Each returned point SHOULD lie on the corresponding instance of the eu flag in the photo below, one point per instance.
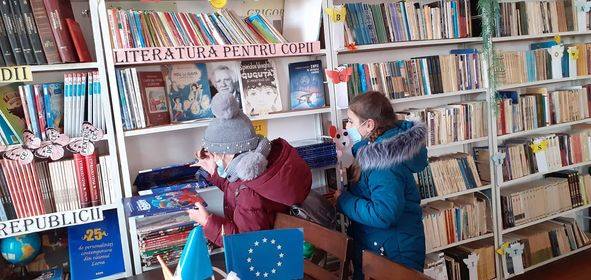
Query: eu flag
(194, 263)
(267, 254)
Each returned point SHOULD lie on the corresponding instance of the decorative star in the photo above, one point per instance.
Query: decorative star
(250, 251)
(251, 268)
(281, 255)
(264, 240)
(279, 263)
(273, 271)
(272, 241)
(258, 274)
(279, 247)
(256, 243)
(249, 260)
(266, 275)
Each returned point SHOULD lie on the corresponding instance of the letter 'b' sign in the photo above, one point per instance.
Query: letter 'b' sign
(336, 14)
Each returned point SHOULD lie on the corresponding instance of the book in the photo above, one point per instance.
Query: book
(13, 115)
(21, 32)
(188, 92)
(7, 57)
(158, 204)
(260, 87)
(306, 85)
(448, 174)
(53, 97)
(45, 32)
(169, 176)
(224, 77)
(78, 40)
(57, 12)
(154, 98)
(11, 33)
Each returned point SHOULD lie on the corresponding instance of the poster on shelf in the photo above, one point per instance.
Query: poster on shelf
(95, 249)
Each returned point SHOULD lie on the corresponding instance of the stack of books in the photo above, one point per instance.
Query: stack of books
(40, 32)
(538, 108)
(146, 29)
(448, 174)
(560, 192)
(420, 76)
(163, 236)
(171, 178)
(456, 219)
(451, 261)
(537, 17)
(46, 187)
(406, 21)
(317, 153)
(549, 239)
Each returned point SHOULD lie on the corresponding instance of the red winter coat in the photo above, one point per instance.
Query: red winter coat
(252, 205)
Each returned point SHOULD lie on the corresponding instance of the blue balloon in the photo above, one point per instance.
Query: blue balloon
(20, 250)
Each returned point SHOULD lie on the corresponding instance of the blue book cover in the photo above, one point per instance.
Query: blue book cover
(530, 61)
(188, 92)
(123, 100)
(542, 45)
(156, 204)
(52, 274)
(140, 31)
(177, 187)
(30, 100)
(362, 80)
(513, 95)
(306, 85)
(454, 18)
(168, 175)
(95, 249)
(53, 99)
(464, 51)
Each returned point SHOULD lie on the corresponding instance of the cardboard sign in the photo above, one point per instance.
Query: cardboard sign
(540, 146)
(16, 74)
(213, 52)
(50, 221)
(260, 127)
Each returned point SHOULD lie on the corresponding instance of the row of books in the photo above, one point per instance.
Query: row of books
(45, 187)
(397, 21)
(317, 153)
(559, 192)
(547, 240)
(163, 236)
(537, 17)
(460, 70)
(183, 92)
(537, 64)
(448, 174)
(545, 153)
(539, 107)
(451, 123)
(144, 29)
(449, 264)
(40, 32)
(455, 219)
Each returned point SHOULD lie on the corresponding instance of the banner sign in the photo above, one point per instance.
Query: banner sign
(16, 74)
(213, 52)
(50, 221)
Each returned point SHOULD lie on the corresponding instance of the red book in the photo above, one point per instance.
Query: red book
(81, 177)
(45, 34)
(35, 188)
(57, 12)
(78, 40)
(185, 22)
(13, 188)
(27, 197)
(93, 180)
(40, 107)
(154, 98)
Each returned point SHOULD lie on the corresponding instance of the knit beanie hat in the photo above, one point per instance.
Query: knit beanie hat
(231, 132)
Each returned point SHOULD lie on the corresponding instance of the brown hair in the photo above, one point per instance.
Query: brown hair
(375, 106)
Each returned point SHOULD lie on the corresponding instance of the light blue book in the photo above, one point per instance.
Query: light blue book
(53, 99)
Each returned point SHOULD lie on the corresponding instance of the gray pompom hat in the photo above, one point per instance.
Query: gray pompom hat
(231, 132)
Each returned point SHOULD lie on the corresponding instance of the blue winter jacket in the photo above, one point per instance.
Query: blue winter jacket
(384, 205)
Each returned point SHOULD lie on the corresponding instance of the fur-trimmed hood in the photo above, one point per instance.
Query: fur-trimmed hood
(404, 144)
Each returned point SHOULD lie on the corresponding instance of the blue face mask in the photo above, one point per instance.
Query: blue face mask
(221, 169)
(354, 134)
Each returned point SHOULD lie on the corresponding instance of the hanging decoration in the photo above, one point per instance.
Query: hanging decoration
(340, 75)
(489, 10)
(85, 144)
(218, 4)
(336, 14)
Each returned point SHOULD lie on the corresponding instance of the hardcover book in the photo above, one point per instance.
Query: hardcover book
(188, 92)
(149, 205)
(306, 85)
(45, 32)
(78, 40)
(260, 87)
(57, 12)
(154, 98)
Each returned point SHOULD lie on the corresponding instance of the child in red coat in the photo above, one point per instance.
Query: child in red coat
(259, 178)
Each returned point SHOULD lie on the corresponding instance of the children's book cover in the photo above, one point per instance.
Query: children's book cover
(53, 99)
(188, 92)
(306, 85)
(224, 77)
(154, 98)
(155, 204)
(13, 114)
(260, 87)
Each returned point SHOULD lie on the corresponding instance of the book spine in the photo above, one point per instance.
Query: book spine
(32, 32)
(17, 51)
(40, 109)
(57, 12)
(81, 178)
(45, 32)
(21, 32)
(92, 178)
